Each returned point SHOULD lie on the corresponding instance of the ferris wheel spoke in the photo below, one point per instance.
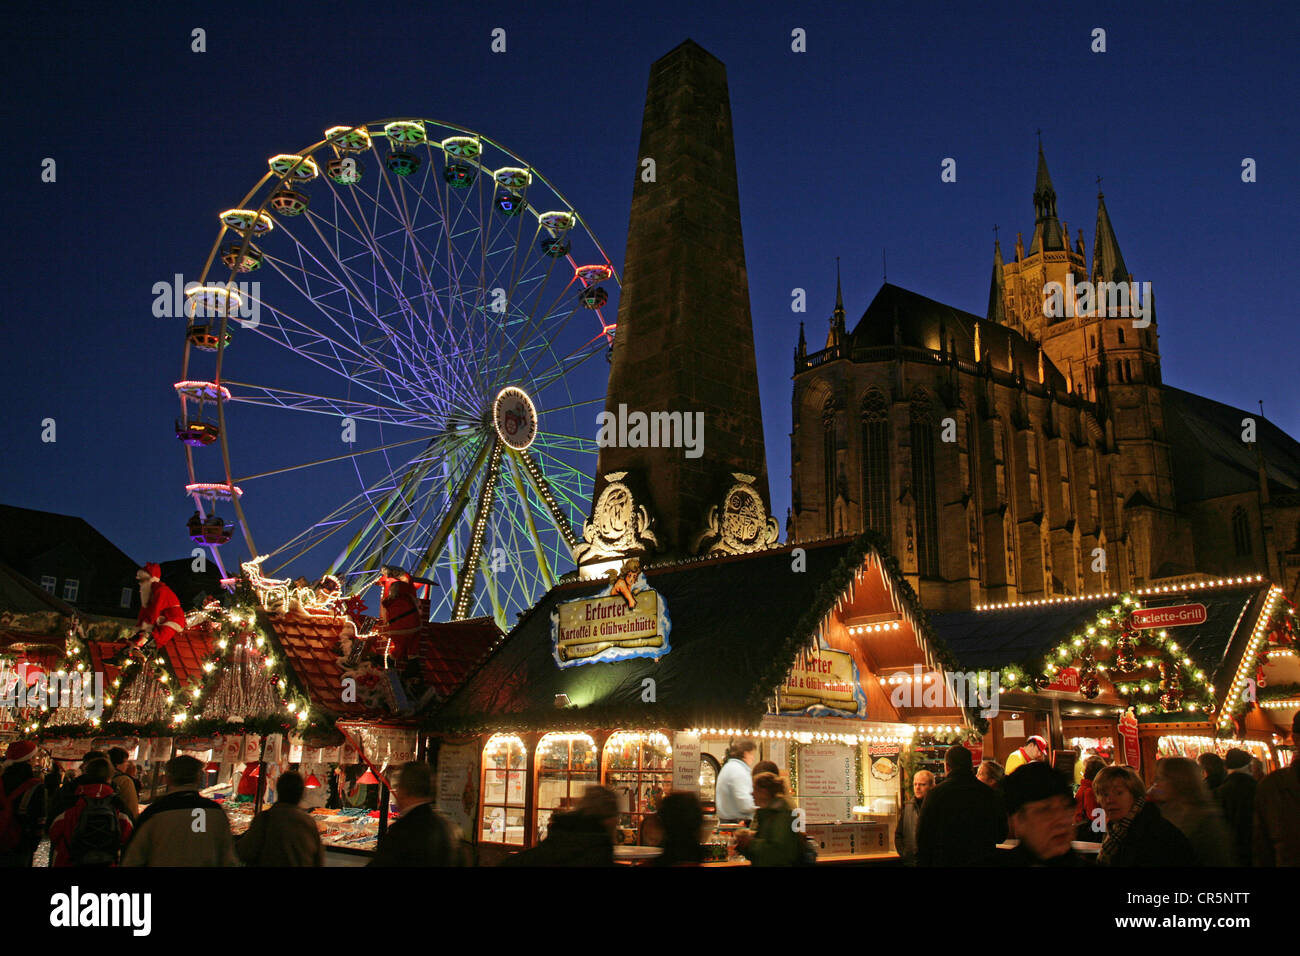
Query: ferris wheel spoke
(327, 461)
(288, 400)
(458, 502)
(469, 572)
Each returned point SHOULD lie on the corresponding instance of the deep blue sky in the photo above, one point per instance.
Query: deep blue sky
(838, 149)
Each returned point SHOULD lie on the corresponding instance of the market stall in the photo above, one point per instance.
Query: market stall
(638, 682)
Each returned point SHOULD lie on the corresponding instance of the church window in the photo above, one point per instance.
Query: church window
(1035, 489)
(1241, 532)
(923, 488)
(1121, 335)
(1094, 341)
(1064, 455)
(875, 463)
(828, 462)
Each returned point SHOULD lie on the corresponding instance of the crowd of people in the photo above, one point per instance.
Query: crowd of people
(1208, 812)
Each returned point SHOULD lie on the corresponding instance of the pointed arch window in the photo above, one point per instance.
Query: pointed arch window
(1241, 532)
(875, 463)
(828, 462)
(923, 486)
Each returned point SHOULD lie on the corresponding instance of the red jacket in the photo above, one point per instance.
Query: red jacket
(65, 824)
(401, 606)
(162, 616)
(1085, 801)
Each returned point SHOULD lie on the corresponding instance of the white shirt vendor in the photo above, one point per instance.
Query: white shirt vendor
(735, 791)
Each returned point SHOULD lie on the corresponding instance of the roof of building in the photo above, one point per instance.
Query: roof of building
(921, 321)
(449, 652)
(309, 644)
(737, 624)
(996, 638)
(1107, 260)
(1209, 457)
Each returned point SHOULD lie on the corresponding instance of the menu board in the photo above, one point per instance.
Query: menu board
(458, 783)
(686, 762)
(827, 784)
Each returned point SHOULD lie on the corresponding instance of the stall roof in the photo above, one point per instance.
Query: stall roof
(737, 624)
(449, 652)
(996, 638)
(309, 644)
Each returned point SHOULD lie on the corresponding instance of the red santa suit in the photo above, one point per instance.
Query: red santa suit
(401, 615)
(161, 616)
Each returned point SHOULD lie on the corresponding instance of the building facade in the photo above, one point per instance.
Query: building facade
(1036, 451)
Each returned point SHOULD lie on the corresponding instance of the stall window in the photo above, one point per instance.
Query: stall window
(566, 766)
(504, 769)
(639, 769)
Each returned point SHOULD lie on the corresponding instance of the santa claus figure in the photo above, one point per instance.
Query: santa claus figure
(161, 617)
(400, 612)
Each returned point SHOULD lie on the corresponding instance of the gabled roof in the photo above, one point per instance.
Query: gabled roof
(1210, 459)
(188, 650)
(995, 638)
(449, 652)
(737, 624)
(26, 534)
(309, 644)
(921, 320)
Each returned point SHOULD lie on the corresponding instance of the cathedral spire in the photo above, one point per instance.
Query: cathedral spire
(1047, 229)
(837, 334)
(997, 289)
(1107, 262)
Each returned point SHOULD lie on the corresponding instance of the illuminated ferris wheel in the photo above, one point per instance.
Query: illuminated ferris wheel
(394, 356)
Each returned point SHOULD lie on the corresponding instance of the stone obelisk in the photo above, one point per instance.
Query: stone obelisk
(685, 338)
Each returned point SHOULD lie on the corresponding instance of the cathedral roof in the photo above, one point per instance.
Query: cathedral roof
(1209, 457)
(921, 319)
(1048, 235)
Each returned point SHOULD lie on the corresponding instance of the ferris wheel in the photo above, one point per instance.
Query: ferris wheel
(394, 355)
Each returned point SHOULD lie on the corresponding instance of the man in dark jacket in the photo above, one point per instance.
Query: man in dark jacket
(421, 836)
(1236, 796)
(183, 828)
(581, 837)
(283, 834)
(963, 820)
(1040, 811)
(26, 797)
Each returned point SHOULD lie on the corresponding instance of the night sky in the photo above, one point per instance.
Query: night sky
(838, 149)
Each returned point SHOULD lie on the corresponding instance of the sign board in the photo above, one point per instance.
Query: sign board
(827, 784)
(1131, 751)
(629, 620)
(1013, 729)
(823, 681)
(1066, 679)
(458, 780)
(686, 762)
(1178, 615)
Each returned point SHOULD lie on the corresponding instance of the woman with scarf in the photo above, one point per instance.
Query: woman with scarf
(1136, 833)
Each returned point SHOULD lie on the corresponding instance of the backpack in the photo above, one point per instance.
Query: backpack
(12, 806)
(97, 836)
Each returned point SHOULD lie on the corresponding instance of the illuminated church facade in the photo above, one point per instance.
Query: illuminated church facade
(1021, 455)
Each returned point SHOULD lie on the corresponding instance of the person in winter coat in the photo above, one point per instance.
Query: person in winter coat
(22, 806)
(93, 831)
(583, 836)
(735, 785)
(421, 836)
(963, 820)
(67, 793)
(123, 782)
(283, 834)
(1136, 833)
(910, 816)
(1040, 815)
(1185, 801)
(400, 613)
(167, 833)
(1276, 830)
(1212, 767)
(1035, 748)
(773, 841)
(682, 819)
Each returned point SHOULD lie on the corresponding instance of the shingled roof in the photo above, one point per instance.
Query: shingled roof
(737, 624)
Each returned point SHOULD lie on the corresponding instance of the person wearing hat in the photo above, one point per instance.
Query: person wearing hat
(1236, 797)
(1040, 815)
(161, 617)
(22, 805)
(1035, 748)
(400, 617)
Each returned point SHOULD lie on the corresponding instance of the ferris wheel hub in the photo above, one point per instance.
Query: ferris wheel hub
(515, 417)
